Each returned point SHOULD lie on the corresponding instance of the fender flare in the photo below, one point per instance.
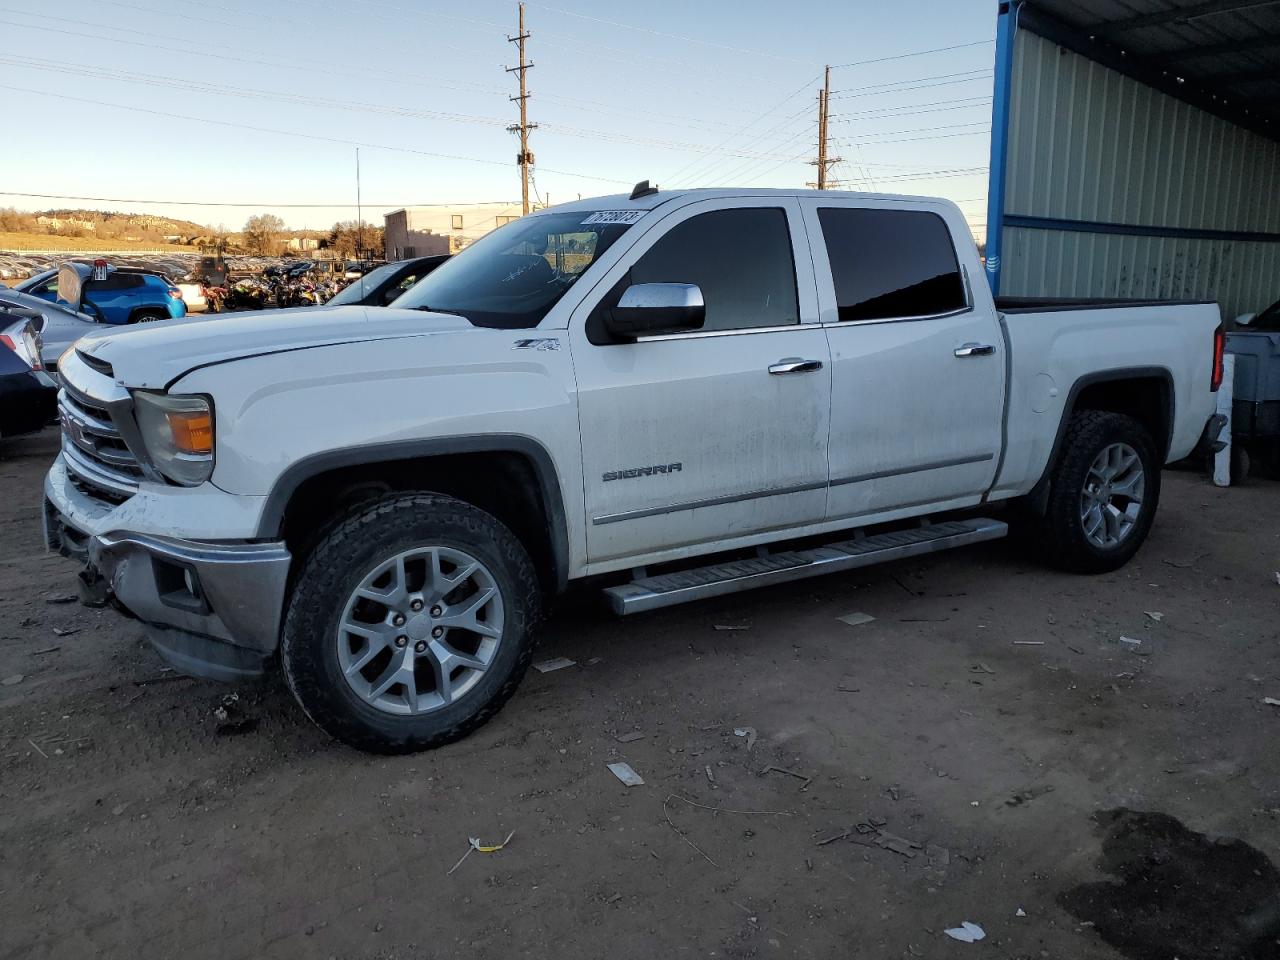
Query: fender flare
(1040, 492)
(271, 520)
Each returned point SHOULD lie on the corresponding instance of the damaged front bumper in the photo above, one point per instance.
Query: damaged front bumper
(210, 609)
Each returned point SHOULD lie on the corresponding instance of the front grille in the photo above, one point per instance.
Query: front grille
(99, 461)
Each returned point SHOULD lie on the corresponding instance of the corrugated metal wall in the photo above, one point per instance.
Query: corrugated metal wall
(1089, 144)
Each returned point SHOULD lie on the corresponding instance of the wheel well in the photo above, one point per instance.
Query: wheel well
(504, 484)
(1147, 399)
(138, 312)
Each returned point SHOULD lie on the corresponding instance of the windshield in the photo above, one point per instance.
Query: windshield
(512, 277)
(355, 291)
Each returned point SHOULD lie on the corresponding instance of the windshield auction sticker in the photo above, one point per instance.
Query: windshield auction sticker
(615, 216)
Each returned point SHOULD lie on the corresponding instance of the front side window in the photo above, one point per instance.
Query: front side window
(741, 259)
(512, 276)
(891, 263)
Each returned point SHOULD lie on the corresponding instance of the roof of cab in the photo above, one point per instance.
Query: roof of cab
(622, 201)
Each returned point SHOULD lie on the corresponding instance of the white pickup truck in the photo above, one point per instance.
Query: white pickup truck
(661, 392)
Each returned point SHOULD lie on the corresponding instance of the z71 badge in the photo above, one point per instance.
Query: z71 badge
(641, 471)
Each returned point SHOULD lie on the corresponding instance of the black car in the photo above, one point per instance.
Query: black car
(381, 285)
(28, 400)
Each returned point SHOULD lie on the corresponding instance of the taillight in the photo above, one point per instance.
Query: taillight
(29, 351)
(1219, 347)
(175, 293)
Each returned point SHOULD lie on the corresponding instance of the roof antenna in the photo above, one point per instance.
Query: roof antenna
(642, 189)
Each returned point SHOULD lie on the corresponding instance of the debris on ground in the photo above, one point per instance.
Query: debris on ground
(711, 777)
(477, 847)
(845, 688)
(856, 619)
(1026, 796)
(631, 736)
(1155, 615)
(748, 732)
(624, 773)
(1269, 701)
(232, 720)
(556, 663)
(967, 932)
(12, 681)
(69, 598)
(1020, 912)
(981, 668)
(733, 626)
(789, 773)
(37, 746)
(899, 845)
(1028, 643)
(65, 631)
(40, 653)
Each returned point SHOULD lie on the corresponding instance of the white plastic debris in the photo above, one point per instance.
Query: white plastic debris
(748, 732)
(1271, 701)
(557, 663)
(966, 933)
(1155, 615)
(1020, 912)
(856, 619)
(624, 773)
(1131, 643)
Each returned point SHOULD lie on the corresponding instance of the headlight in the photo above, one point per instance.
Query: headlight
(178, 434)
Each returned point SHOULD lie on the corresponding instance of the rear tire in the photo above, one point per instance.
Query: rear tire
(389, 643)
(1103, 493)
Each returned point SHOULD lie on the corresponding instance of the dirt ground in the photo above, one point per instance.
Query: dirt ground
(964, 740)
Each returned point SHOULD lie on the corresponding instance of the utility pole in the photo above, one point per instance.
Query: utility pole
(825, 161)
(359, 213)
(524, 159)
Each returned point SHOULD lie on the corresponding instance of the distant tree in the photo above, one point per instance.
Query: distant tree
(262, 234)
(12, 221)
(351, 238)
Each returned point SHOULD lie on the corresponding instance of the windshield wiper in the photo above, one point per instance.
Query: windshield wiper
(452, 313)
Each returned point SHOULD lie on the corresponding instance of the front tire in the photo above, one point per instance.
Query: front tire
(1103, 493)
(411, 623)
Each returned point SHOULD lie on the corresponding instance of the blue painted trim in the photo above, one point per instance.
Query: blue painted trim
(1136, 230)
(1006, 27)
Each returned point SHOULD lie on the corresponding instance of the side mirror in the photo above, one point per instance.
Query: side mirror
(1245, 319)
(649, 308)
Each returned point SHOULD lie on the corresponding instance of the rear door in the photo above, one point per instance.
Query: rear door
(689, 438)
(917, 369)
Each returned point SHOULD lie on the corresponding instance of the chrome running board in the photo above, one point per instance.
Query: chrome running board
(668, 589)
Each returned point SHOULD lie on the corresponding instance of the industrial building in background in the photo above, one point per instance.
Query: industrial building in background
(430, 231)
(1135, 151)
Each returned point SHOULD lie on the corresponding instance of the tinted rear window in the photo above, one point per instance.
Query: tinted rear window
(891, 263)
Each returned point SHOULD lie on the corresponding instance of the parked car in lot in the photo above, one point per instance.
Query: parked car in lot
(27, 397)
(125, 295)
(681, 393)
(59, 325)
(380, 286)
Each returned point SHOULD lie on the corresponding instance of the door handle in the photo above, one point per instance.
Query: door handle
(975, 350)
(794, 365)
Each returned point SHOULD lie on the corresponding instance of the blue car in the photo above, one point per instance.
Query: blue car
(124, 295)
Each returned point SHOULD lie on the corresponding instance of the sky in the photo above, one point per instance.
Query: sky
(236, 107)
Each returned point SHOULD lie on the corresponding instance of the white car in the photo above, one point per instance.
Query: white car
(193, 296)
(669, 390)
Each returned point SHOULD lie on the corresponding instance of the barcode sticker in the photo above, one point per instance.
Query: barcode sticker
(615, 216)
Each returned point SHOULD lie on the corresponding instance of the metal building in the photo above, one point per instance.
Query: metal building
(1135, 151)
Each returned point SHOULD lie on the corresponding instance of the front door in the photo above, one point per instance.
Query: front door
(918, 370)
(689, 438)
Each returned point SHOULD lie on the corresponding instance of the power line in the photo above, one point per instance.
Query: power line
(917, 53)
(225, 203)
(294, 133)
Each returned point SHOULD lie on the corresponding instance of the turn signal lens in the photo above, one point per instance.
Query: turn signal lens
(192, 432)
(1219, 347)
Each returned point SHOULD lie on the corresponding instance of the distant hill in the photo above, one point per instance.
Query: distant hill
(98, 221)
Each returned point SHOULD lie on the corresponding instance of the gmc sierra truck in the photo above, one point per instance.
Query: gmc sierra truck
(674, 394)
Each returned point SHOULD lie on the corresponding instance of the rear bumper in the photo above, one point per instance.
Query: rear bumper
(210, 609)
(27, 403)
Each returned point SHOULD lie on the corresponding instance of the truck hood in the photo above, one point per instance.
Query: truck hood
(153, 355)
